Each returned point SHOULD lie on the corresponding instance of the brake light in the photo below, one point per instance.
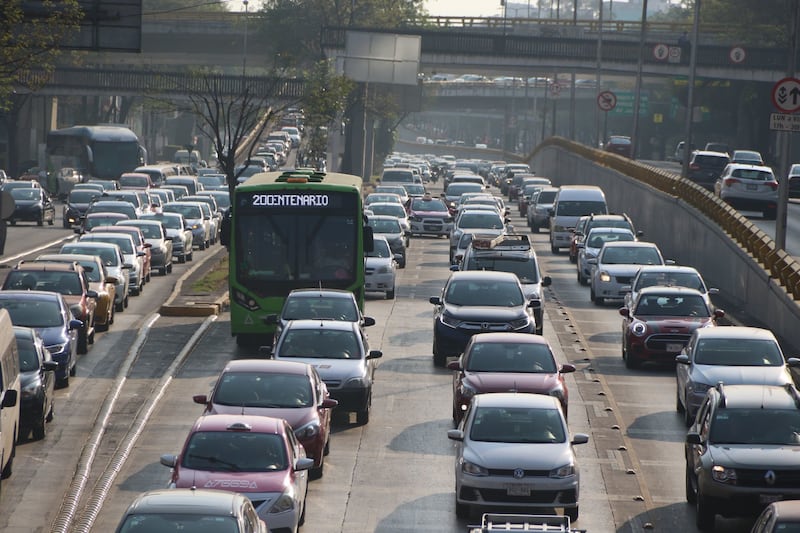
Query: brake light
(728, 182)
(773, 185)
(694, 166)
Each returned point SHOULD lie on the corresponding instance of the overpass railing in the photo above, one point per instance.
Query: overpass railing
(760, 246)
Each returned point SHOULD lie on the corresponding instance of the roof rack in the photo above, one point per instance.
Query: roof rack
(298, 176)
(491, 522)
(509, 242)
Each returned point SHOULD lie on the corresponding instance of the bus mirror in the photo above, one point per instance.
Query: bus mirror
(89, 154)
(225, 229)
(369, 240)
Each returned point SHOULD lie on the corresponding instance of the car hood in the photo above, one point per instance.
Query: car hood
(485, 314)
(508, 456)
(243, 482)
(27, 203)
(760, 457)
(297, 417)
(672, 324)
(28, 378)
(377, 262)
(536, 383)
(442, 214)
(333, 369)
(620, 270)
(735, 375)
(50, 336)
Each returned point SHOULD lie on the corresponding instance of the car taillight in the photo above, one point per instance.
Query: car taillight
(773, 185)
(729, 181)
(694, 166)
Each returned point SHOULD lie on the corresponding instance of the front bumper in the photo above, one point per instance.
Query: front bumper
(452, 341)
(505, 491)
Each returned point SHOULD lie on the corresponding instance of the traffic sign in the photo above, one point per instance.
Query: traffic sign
(784, 122)
(786, 95)
(661, 52)
(606, 100)
(555, 89)
(675, 54)
(737, 54)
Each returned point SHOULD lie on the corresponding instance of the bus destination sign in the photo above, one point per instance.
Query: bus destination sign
(296, 200)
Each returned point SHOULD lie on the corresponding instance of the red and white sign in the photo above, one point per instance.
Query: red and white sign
(606, 100)
(661, 52)
(786, 95)
(737, 54)
(555, 89)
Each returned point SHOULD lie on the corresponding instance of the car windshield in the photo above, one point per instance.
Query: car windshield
(320, 343)
(133, 181)
(688, 305)
(33, 313)
(457, 189)
(670, 279)
(428, 205)
(107, 255)
(481, 220)
(580, 208)
(546, 197)
(125, 244)
(484, 293)
(150, 231)
(598, 239)
(189, 212)
(320, 307)
(756, 426)
(510, 357)
(28, 358)
(416, 190)
(264, 390)
(523, 267)
(392, 210)
(235, 451)
(176, 522)
(172, 222)
(738, 352)
(124, 208)
(28, 193)
(634, 255)
(67, 283)
(82, 196)
(517, 425)
(380, 249)
(385, 225)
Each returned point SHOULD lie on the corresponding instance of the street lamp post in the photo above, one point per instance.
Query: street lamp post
(244, 55)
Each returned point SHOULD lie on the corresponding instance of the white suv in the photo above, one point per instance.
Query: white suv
(749, 187)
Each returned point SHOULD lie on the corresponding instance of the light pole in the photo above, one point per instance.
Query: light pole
(244, 55)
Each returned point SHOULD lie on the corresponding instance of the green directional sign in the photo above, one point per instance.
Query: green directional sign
(625, 104)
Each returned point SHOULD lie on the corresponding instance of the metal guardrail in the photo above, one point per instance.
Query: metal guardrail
(760, 246)
(157, 82)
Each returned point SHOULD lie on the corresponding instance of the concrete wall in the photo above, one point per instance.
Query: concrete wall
(687, 236)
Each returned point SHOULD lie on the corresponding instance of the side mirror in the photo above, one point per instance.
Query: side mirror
(75, 324)
(567, 368)
(682, 359)
(624, 311)
(271, 319)
(693, 438)
(91, 294)
(455, 434)
(580, 438)
(435, 300)
(50, 366)
(169, 460)
(454, 365)
(9, 399)
(546, 281)
(719, 313)
(374, 354)
(368, 321)
(202, 399)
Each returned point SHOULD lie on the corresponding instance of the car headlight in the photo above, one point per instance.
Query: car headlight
(520, 322)
(473, 469)
(604, 276)
(29, 391)
(639, 328)
(415, 218)
(56, 348)
(284, 503)
(467, 390)
(195, 226)
(307, 431)
(557, 393)
(723, 474)
(448, 320)
(699, 388)
(563, 471)
(361, 382)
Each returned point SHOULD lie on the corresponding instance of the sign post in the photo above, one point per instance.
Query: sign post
(786, 99)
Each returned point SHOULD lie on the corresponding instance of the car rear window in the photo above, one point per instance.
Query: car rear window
(752, 174)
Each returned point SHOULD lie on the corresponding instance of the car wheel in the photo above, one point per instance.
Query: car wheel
(554, 249)
(51, 221)
(169, 268)
(327, 449)
(598, 300)
(12, 222)
(6, 473)
(630, 361)
(316, 472)
(83, 342)
(535, 227)
(162, 271)
(691, 494)
(573, 258)
(770, 214)
(147, 278)
(40, 222)
(580, 278)
(390, 294)
(91, 335)
(688, 419)
(462, 510)
(39, 430)
(705, 514)
(202, 245)
(678, 404)
(63, 383)
(126, 301)
(119, 306)
(66, 225)
(190, 256)
(182, 259)
(111, 317)
(51, 412)
(439, 358)
(74, 369)
(362, 417)
(572, 513)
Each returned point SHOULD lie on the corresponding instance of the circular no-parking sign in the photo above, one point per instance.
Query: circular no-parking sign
(661, 52)
(555, 89)
(737, 54)
(606, 100)
(786, 95)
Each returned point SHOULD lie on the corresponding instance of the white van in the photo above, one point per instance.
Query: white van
(571, 203)
(9, 394)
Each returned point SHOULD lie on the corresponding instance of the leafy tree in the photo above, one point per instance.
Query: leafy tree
(167, 6)
(325, 100)
(30, 42)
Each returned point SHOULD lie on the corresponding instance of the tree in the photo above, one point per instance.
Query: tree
(30, 42)
(325, 100)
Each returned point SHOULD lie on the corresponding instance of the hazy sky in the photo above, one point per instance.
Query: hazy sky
(463, 8)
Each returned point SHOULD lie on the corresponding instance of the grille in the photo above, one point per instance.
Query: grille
(659, 342)
(492, 326)
(624, 280)
(788, 479)
(510, 473)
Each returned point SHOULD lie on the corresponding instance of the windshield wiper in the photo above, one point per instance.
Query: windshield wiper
(232, 467)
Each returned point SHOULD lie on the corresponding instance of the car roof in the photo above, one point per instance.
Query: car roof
(45, 266)
(483, 275)
(506, 337)
(668, 268)
(274, 366)
(630, 244)
(321, 293)
(710, 153)
(670, 290)
(187, 501)
(760, 396)
(29, 295)
(735, 332)
(339, 325)
(516, 399)
(763, 168)
(606, 229)
(221, 422)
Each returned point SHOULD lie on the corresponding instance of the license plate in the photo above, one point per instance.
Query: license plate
(752, 187)
(518, 490)
(769, 498)
(674, 347)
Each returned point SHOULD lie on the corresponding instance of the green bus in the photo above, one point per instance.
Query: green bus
(290, 230)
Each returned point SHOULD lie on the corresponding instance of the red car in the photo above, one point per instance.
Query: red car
(619, 145)
(281, 389)
(257, 456)
(659, 323)
(504, 362)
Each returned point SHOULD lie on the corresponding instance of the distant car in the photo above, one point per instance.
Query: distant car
(123, 207)
(32, 204)
(340, 352)
(476, 220)
(507, 362)
(180, 233)
(733, 355)
(474, 302)
(620, 145)
(76, 205)
(191, 509)
(323, 304)
(668, 276)
(429, 216)
(257, 456)
(657, 326)
(749, 187)
(539, 206)
(196, 219)
(155, 234)
(94, 220)
(396, 236)
(679, 151)
(37, 381)
(515, 451)
(114, 262)
(705, 167)
(380, 268)
(49, 315)
(130, 254)
(613, 220)
(616, 265)
(282, 389)
(392, 210)
(718, 147)
(589, 247)
(747, 157)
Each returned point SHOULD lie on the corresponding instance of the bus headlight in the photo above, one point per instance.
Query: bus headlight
(245, 301)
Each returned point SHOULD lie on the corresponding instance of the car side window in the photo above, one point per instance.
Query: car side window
(704, 416)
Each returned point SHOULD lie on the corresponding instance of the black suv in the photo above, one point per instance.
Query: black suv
(741, 451)
(706, 167)
(600, 221)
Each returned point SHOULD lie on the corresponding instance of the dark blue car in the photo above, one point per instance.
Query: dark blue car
(37, 382)
(49, 315)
